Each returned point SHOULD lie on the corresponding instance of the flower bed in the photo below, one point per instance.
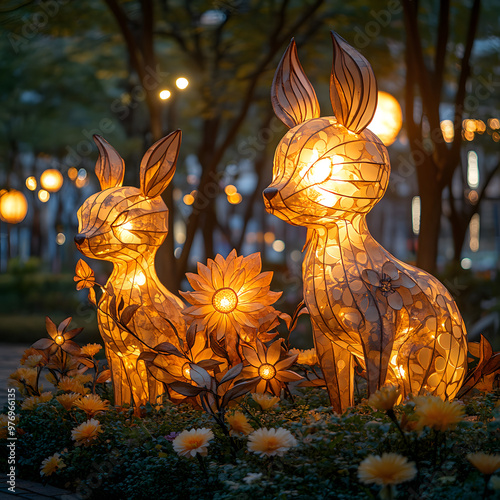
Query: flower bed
(106, 452)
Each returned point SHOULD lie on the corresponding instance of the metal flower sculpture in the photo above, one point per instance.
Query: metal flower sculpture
(231, 298)
(126, 226)
(399, 322)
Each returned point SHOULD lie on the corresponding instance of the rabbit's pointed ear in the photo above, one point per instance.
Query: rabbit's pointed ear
(158, 164)
(292, 95)
(110, 167)
(353, 87)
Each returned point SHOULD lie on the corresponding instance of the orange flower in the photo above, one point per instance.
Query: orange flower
(271, 442)
(86, 433)
(385, 398)
(388, 469)
(92, 404)
(189, 443)
(438, 414)
(84, 275)
(265, 363)
(305, 357)
(238, 424)
(67, 400)
(60, 338)
(231, 297)
(265, 401)
(484, 463)
(33, 401)
(67, 384)
(90, 350)
(51, 465)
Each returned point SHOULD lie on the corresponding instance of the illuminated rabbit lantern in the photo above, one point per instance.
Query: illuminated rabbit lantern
(400, 323)
(126, 225)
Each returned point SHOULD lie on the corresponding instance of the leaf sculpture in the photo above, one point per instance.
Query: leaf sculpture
(368, 309)
(292, 95)
(486, 374)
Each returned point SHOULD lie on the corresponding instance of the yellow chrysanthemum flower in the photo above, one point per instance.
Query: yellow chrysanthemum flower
(306, 357)
(231, 297)
(189, 443)
(83, 378)
(67, 400)
(51, 465)
(26, 375)
(91, 349)
(385, 398)
(265, 401)
(388, 469)
(484, 463)
(33, 401)
(86, 433)
(270, 442)
(438, 414)
(91, 404)
(238, 424)
(67, 384)
(34, 360)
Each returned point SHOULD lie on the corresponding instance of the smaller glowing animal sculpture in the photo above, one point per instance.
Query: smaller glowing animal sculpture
(399, 322)
(126, 225)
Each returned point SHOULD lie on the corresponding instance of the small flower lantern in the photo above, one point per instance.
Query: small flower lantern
(126, 226)
(51, 180)
(13, 206)
(398, 322)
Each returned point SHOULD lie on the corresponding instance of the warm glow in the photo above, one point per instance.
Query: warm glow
(182, 83)
(188, 199)
(186, 371)
(267, 371)
(51, 180)
(43, 195)
(388, 118)
(448, 130)
(230, 190)
(60, 239)
(165, 94)
(72, 173)
(278, 245)
(59, 340)
(269, 237)
(225, 300)
(494, 123)
(13, 207)
(31, 183)
(234, 199)
(474, 233)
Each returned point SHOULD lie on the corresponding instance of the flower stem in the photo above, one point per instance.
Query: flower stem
(202, 466)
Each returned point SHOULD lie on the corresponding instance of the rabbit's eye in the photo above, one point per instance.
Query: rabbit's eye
(121, 219)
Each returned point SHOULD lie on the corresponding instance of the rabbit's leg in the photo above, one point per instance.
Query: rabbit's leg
(119, 378)
(338, 370)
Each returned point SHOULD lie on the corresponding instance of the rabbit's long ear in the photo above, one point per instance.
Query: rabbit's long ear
(292, 95)
(110, 167)
(353, 87)
(158, 164)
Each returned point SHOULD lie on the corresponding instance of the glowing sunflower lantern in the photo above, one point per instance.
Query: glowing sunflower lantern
(231, 298)
(51, 180)
(266, 363)
(399, 322)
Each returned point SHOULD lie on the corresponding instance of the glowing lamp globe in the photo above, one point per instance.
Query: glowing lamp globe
(51, 180)
(13, 207)
(225, 300)
(388, 118)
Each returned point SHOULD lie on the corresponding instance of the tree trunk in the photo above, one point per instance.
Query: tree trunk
(430, 223)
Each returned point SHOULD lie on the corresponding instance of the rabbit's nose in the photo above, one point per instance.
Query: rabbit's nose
(79, 239)
(270, 193)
